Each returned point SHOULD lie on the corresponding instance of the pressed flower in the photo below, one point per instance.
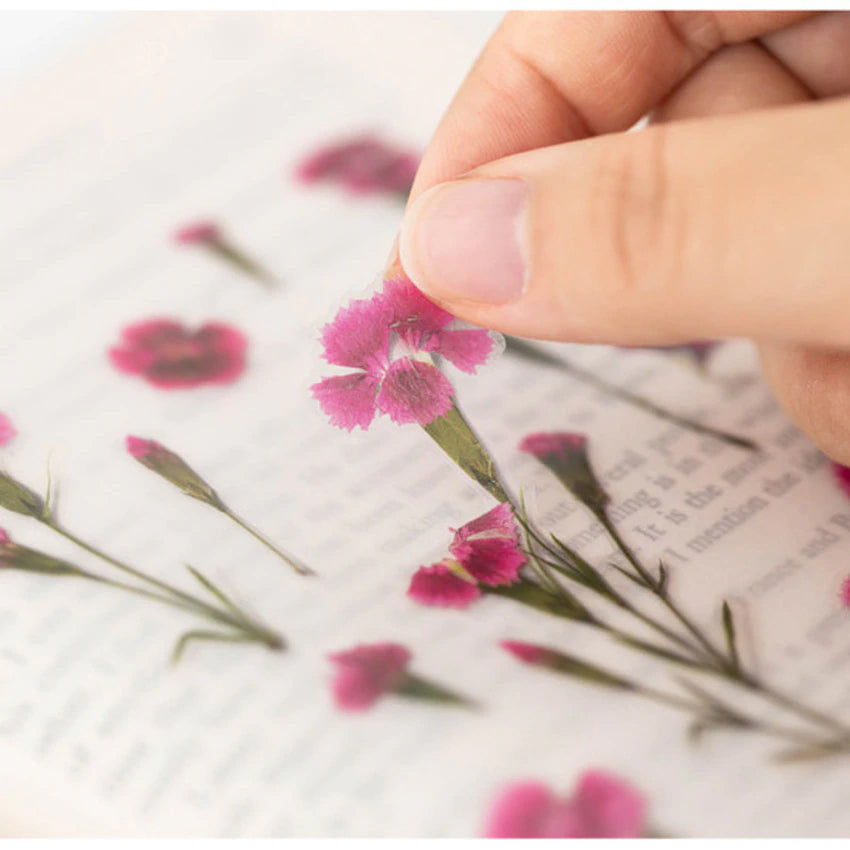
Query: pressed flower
(168, 355)
(601, 806)
(7, 430)
(172, 468)
(488, 547)
(176, 471)
(388, 339)
(197, 233)
(367, 672)
(842, 476)
(528, 653)
(442, 587)
(209, 236)
(565, 454)
(361, 165)
(15, 557)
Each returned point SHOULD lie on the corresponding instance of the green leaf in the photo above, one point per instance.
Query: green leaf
(638, 580)
(589, 672)
(659, 651)
(215, 591)
(729, 629)
(200, 635)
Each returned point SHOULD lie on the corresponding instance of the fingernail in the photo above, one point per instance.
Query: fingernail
(466, 240)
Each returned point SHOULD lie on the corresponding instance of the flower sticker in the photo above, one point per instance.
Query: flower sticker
(7, 430)
(362, 165)
(211, 238)
(168, 355)
(390, 340)
(601, 806)
(485, 553)
(367, 672)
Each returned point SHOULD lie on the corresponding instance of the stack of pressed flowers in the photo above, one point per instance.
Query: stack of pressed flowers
(396, 341)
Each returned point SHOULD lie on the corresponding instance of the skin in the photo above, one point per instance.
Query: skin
(728, 216)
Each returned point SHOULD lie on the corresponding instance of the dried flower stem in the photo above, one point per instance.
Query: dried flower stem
(522, 349)
(299, 568)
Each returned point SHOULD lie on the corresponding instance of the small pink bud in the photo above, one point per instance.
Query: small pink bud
(198, 233)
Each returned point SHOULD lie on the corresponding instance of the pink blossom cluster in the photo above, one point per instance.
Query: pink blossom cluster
(389, 341)
(484, 552)
(367, 672)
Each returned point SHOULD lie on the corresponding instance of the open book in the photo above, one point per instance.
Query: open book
(168, 118)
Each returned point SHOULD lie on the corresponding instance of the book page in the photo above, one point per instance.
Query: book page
(169, 118)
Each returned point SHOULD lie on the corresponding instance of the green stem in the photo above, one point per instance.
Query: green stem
(299, 568)
(523, 349)
(174, 596)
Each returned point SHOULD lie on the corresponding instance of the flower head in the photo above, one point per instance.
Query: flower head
(7, 430)
(565, 454)
(601, 806)
(366, 672)
(488, 547)
(168, 355)
(528, 653)
(4, 537)
(172, 468)
(15, 557)
(361, 165)
(442, 587)
(389, 340)
(198, 233)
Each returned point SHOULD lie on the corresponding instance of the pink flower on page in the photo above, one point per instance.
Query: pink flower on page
(602, 806)
(361, 165)
(168, 355)
(7, 430)
(389, 340)
(197, 233)
(553, 445)
(440, 587)
(367, 672)
(528, 653)
(4, 537)
(842, 476)
(488, 547)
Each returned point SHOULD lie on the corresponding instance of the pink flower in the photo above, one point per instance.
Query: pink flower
(140, 448)
(488, 547)
(385, 339)
(437, 585)
(842, 476)
(602, 806)
(4, 537)
(555, 446)
(168, 355)
(528, 653)
(361, 165)
(7, 430)
(366, 672)
(197, 233)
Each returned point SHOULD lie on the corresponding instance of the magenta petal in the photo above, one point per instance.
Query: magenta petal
(7, 430)
(153, 332)
(437, 585)
(499, 519)
(467, 349)
(413, 391)
(608, 806)
(359, 335)
(348, 400)
(493, 561)
(412, 310)
(531, 810)
(131, 361)
(366, 672)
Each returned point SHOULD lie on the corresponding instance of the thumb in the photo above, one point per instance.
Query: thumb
(732, 226)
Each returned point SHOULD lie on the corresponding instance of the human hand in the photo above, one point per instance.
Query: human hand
(558, 225)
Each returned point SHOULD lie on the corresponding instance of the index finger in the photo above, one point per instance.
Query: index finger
(545, 78)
